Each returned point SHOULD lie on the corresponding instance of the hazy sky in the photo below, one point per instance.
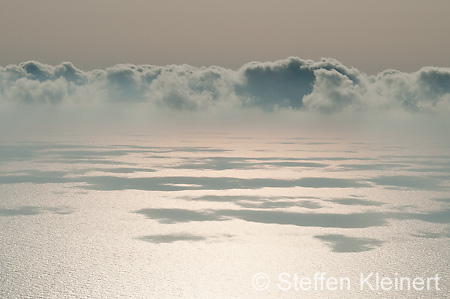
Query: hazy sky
(369, 35)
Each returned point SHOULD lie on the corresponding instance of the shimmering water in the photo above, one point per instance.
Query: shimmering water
(197, 216)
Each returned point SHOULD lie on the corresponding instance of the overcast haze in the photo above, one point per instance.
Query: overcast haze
(369, 35)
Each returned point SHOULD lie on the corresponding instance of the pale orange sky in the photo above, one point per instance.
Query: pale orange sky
(369, 35)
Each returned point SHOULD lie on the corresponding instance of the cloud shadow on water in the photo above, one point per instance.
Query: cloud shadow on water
(258, 202)
(21, 211)
(171, 238)
(352, 220)
(118, 170)
(440, 216)
(170, 216)
(225, 163)
(351, 201)
(431, 235)
(357, 220)
(34, 210)
(281, 204)
(178, 183)
(28, 151)
(89, 161)
(409, 182)
(371, 167)
(444, 200)
(342, 244)
(41, 178)
(15, 153)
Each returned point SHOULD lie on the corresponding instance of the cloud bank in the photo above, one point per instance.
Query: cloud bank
(326, 86)
(287, 95)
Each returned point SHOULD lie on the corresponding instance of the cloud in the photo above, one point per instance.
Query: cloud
(333, 92)
(294, 84)
(33, 91)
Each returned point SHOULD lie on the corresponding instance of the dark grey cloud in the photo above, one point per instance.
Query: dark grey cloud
(294, 84)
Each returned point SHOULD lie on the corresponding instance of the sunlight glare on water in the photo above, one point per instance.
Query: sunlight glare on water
(198, 216)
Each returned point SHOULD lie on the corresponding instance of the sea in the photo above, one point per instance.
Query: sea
(224, 215)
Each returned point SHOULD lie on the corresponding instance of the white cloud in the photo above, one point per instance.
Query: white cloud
(333, 92)
(293, 84)
(32, 91)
